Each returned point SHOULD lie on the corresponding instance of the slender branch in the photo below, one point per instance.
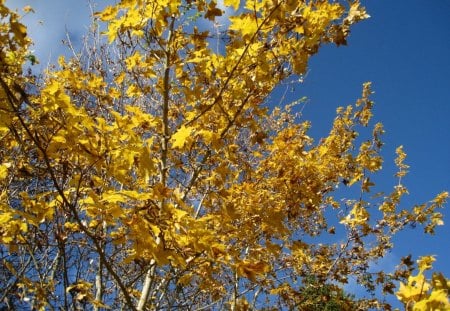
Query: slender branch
(99, 280)
(164, 154)
(72, 208)
(235, 292)
(7, 290)
(199, 207)
(255, 297)
(149, 276)
(199, 168)
(62, 251)
(235, 67)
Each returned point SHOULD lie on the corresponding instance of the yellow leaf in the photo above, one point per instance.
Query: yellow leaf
(425, 262)
(440, 282)
(28, 9)
(406, 293)
(356, 13)
(52, 87)
(5, 218)
(156, 230)
(133, 91)
(247, 25)
(108, 13)
(417, 285)
(211, 137)
(114, 198)
(185, 279)
(234, 3)
(439, 298)
(134, 60)
(146, 165)
(179, 138)
(251, 269)
(115, 211)
(4, 170)
(59, 139)
(358, 216)
(19, 30)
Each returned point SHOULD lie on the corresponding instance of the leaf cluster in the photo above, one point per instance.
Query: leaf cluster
(149, 172)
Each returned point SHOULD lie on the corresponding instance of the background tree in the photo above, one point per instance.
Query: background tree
(149, 171)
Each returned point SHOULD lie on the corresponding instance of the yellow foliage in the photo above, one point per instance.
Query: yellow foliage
(150, 171)
(422, 295)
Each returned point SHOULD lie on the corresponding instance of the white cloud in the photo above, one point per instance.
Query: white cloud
(53, 20)
(51, 23)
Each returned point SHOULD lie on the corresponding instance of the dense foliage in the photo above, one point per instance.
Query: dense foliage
(152, 171)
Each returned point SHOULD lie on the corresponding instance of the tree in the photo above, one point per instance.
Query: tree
(150, 171)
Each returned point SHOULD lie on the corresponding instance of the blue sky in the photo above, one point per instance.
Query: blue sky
(404, 49)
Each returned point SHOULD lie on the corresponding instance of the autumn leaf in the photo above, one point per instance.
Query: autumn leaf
(180, 137)
(246, 25)
(108, 13)
(422, 294)
(234, 3)
(4, 170)
(356, 13)
(213, 11)
(252, 269)
(425, 263)
(157, 168)
(28, 9)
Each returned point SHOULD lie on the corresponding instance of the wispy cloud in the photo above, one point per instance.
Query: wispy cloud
(50, 23)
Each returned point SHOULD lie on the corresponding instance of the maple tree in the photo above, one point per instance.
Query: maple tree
(149, 172)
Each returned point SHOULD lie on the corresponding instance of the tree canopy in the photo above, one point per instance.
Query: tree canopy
(154, 170)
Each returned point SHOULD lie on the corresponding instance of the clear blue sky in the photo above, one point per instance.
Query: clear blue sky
(404, 49)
